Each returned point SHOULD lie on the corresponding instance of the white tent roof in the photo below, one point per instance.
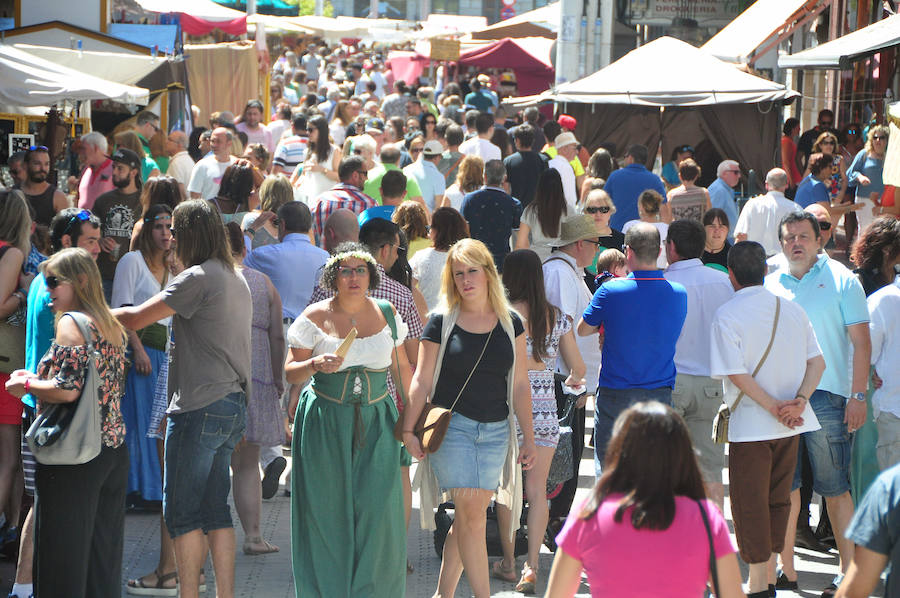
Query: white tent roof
(669, 72)
(202, 9)
(120, 67)
(840, 52)
(762, 19)
(32, 81)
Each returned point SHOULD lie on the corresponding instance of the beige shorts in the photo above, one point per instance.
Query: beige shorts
(888, 447)
(697, 399)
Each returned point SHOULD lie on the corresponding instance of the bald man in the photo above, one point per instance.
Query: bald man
(180, 162)
(340, 226)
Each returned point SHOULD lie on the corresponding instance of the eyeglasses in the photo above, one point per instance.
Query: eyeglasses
(824, 225)
(276, 221)
(53, 281)
(347, 271)
(595, 209)
(415, 150)
(173, 230)
(400, 248)
(82, 216)
(365, 173)
(828, 142)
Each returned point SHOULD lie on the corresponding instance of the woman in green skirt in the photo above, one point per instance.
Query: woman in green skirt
(348, 530)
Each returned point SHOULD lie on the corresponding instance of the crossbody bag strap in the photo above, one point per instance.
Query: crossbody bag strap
(388, 312)
(768, 348)
(474, 367)
(455, 164)
(82, 322)
(561, 259)
(713, 570)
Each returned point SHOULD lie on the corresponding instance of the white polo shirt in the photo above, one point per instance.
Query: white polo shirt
(484, 149)
(740, 332)
(884, 311)
(761, 216)
(567, 175)
(707, 290)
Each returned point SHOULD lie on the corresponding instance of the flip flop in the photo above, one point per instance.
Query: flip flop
(137, 587)
(499, 572)
(269, 548)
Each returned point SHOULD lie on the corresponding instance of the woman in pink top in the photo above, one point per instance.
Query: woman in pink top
(641, 532)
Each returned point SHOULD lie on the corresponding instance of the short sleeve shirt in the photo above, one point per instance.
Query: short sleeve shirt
(876, 523)
(492, 215)
(117, 212)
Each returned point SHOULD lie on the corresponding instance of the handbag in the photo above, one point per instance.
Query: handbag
(70, 433)
(720, 422)
(713, 570)
(431, 427)
(562, 466)
(12, 336)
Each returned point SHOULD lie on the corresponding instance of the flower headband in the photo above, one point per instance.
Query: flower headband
(360, 255)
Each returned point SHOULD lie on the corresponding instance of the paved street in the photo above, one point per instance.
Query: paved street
(270, 576)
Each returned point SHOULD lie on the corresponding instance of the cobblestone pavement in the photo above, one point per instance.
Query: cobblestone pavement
(270, 576)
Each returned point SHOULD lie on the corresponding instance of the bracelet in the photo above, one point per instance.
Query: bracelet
(409, 431)
(27, 384)
(313, 364)
(800, 396)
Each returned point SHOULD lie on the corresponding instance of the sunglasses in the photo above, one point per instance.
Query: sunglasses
(824, 225)
(415, 150)
(53, 281)
(347, 271)
(879, 137)
(82, 216)
(595, 209)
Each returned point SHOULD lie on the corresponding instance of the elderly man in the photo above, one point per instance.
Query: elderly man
(642, 316)
(765, 347)
(180, 162)
(626, 185)
(566, 151)
(16, 164)
(835, 303)
(207, 173)
(721, 191)
(96, 178)
(342, 225)
(761, 216)
(492, 213)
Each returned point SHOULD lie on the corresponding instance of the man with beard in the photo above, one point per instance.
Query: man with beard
(45, 198)
(118, 210)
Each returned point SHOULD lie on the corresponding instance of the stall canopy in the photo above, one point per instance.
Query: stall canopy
(841, 52)
(672, 92)
(541, 22)
(740, 40)
(266, 7)
(407, 66)
(528, 58)
(32, 81)
(199, 17)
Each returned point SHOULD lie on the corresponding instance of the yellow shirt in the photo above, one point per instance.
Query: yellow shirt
(576, 163)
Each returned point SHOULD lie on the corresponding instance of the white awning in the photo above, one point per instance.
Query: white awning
(738, 40)
(840, 52)
(201, 9)
(120, 67)
(32, 81)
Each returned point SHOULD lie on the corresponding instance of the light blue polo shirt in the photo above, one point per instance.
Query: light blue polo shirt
(833, 299)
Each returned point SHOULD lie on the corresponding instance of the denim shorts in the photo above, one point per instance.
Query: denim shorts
(828, 447)
(198, 457)
(472, 454)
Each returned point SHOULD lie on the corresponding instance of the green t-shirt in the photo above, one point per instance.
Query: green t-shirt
(372, 187)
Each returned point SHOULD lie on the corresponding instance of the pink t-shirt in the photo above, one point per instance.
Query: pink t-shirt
(623, 562)
(259, 135)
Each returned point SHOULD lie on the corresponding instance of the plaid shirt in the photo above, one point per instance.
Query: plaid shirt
(339, 196)
(400, 297)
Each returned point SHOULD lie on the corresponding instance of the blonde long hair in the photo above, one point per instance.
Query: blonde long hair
(473, 252)
(15, 220)
(76, 266)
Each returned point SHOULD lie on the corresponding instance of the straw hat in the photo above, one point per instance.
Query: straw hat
(577, 228)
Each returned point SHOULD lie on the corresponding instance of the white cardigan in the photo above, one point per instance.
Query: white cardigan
(509, 492)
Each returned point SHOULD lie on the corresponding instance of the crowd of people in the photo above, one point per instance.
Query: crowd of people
(319, 276)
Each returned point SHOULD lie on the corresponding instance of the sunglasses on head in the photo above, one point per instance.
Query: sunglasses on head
(38, 148)
(595, 209)
(53, 281)
(82, 216)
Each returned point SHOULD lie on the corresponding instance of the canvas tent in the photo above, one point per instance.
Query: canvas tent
(528, 58)
(669, 91)
(32, 81)
(199, 17)
(540, 22)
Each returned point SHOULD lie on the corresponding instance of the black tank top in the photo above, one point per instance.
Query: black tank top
(43, 205)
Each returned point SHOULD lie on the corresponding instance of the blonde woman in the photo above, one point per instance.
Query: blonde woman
(93, 493)
(412, 219)
(472, 358)
(866, 173)
(259, 224)
(469, 177)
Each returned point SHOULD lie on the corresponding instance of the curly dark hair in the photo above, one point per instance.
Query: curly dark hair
(879, 242)
(330, 271)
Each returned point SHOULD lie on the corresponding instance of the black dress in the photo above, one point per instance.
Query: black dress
(720, 257)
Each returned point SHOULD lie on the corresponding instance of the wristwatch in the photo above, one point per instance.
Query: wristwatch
(859, 396)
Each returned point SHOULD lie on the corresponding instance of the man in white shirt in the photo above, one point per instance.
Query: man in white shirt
(761, 216)
(180, 162)
(207, 173)
(281, 124)
(566, 150)
(884, 327)
(427, 175)
(697, 396)
(481, 145)
(774, 374)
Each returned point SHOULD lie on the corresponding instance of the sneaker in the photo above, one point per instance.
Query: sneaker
(272, 477)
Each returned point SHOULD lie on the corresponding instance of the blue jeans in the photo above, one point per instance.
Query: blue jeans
(610, 402)
(198, 456)
(828, 447)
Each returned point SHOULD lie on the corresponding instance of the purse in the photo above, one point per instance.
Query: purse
(720, 422)
(70, 433)
(12, 337)
(562, 466)
(713, 570)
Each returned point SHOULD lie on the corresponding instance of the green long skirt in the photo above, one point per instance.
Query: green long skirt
(348, 534)
(864, 458)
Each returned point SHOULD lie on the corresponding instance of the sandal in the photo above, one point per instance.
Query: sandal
(138, 587)
(528, 581)
(409, 567)
(266, 547)
(498, 571)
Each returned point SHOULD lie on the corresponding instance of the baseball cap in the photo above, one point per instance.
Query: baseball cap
(433, 148)
(567, 122)
(564, 139)
(125, 156)
(375, 124)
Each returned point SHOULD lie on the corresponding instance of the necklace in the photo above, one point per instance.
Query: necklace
(352, 316)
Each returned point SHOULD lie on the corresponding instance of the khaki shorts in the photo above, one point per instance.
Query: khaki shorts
(697, 399)
(888, 448)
